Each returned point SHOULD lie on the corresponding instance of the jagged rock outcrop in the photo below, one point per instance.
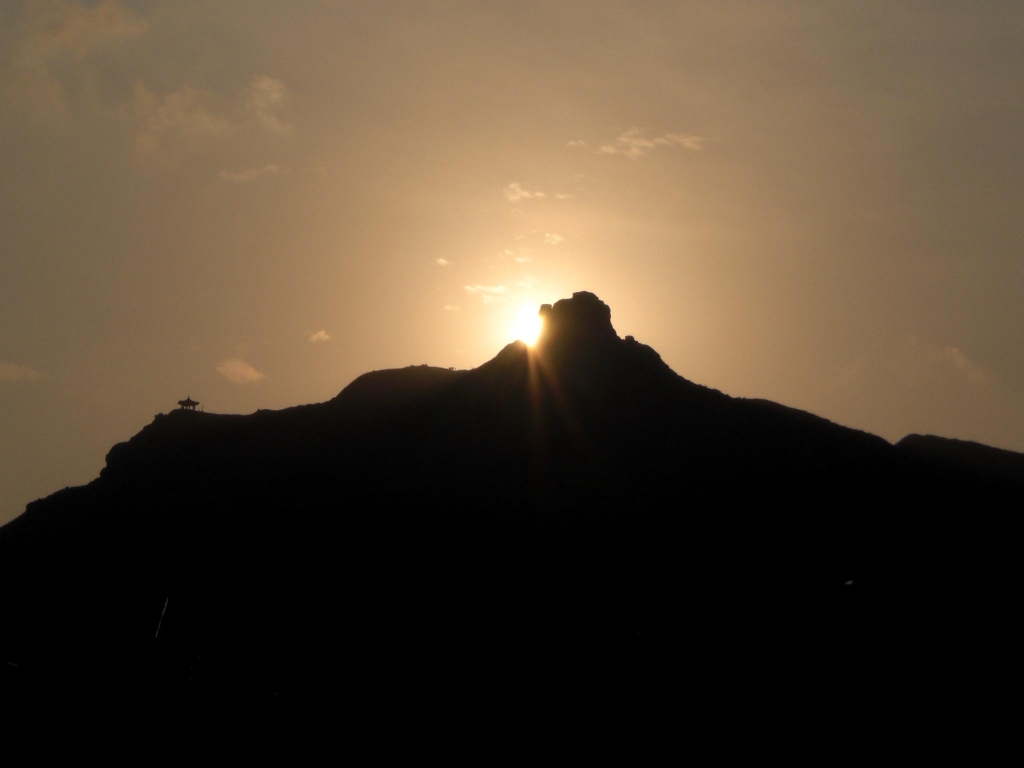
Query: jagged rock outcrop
(583, 319)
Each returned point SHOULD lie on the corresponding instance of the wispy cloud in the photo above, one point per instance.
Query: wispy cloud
(238, 371)
(918, 357)
(553, 238)
(633, 144)
(55, 29)
(488, 293)
(575, 143)
(443, 262)
(251, 174)
(319, 336)
(515, 192)
(521, 255)
(14, 372)
(181, 118)
(451, 308)
(948, 357)
(266, 96)
(971, 370)
(77, 27)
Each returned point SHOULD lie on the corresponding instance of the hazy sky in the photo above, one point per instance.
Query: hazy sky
(254, 202)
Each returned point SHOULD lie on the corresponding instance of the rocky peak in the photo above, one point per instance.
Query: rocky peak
(583, 318)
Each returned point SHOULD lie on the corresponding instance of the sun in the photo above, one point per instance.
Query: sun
(527, 325)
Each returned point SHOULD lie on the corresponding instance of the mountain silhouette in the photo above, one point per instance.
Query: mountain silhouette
(567, 528)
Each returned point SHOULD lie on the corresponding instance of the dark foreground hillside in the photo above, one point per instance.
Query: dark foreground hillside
(567, 535)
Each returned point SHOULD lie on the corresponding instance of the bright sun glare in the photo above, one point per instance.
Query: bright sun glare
(527, 325)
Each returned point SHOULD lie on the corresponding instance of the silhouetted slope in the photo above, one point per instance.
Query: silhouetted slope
(575, 518)
(994, 466)
(394, 390)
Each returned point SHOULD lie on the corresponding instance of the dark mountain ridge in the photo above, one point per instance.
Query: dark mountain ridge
(573, 517)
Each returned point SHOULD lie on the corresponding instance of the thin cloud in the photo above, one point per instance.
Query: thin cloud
(443, 262)
(266, 96)
(936, 356)
(563, 196)
(451, 308)
(184, 117)
(238, 371)
(59, 28)
(14, 372)
(575, 143)
(553, 238)
(514, 192)
(251, 174)
(319, 336)
(522, 255)
(633, 144)
(73, 26)
(489, 294)
(973, 372)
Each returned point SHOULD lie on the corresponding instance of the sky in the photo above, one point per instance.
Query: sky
(253, 202)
